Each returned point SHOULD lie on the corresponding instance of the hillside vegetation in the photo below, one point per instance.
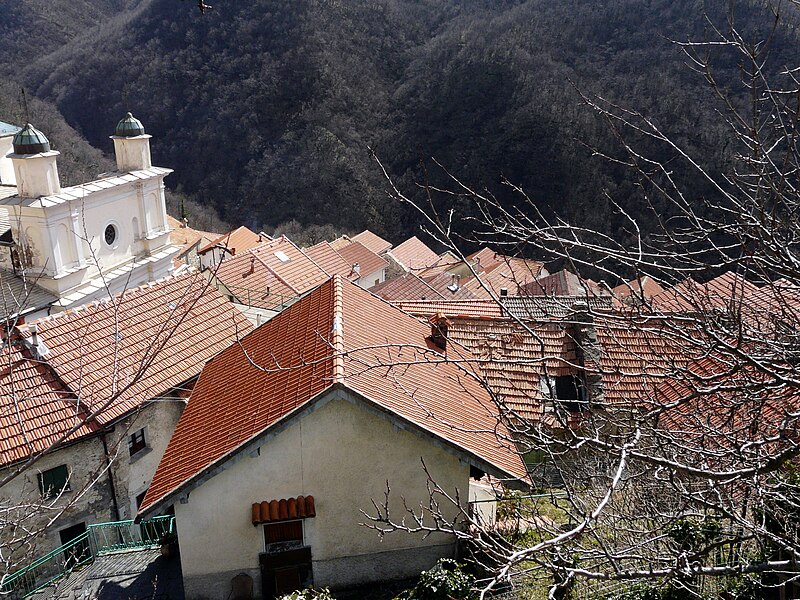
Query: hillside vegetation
(267, 109)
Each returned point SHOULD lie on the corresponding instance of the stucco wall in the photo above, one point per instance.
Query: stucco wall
(133, 474)
(89, 500)
(342, 455)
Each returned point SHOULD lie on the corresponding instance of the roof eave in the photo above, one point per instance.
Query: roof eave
(320, 399)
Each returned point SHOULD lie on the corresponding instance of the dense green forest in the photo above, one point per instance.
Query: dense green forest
(267, 109)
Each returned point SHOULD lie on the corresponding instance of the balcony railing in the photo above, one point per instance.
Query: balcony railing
(98, 539)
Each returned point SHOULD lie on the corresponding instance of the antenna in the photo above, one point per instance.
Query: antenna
(25, 106)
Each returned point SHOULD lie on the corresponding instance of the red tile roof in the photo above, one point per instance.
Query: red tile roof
(186, 237)
(643, 288)
(329, 259)
(727, 291)
(414, 255)
(406, 287)
(372, 241)
(36, 409)
(562, 283)
(366, 258)
(118, 353)
(270, 274)
(236, 241)
(337, 334)
(497, 272)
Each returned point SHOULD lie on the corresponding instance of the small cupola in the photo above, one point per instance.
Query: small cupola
(35, 169)
(129, 126)
(131, 145)
(30, 140)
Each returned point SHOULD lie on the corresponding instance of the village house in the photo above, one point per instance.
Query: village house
(189, 241)
(93, 394)
(323, 407)
(411, 255)
(222, 246)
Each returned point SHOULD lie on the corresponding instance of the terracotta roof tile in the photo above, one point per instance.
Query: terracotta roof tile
(126, 350)
(236, 241)
(271, 274)
(373, 242)
(366, 258)
(562, 283)
(723, 292)
(406, 287)
(299, 353)
(36, 410)
(329, 259)
(186, 237)
(414, 255)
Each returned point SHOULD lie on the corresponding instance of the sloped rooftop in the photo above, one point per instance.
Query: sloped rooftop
(236, 241)
(372, 241)
(337, 335)
(368, 261)
(414, 255)
(121, 352)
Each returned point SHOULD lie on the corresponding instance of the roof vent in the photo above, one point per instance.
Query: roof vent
(36, 344)
(129, 126)
(504, 292)
(454, 285)
(30, 140)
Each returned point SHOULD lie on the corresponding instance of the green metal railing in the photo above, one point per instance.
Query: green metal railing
(98, 539)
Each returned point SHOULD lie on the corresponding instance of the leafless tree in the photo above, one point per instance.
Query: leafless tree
(679, 469)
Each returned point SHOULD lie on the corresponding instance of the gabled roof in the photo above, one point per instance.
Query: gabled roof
(270, 274)
(372, 241)
(563, 283)
(186, 237)
(414, 255)
(329, 259)
(36, 409)
(406, 287)
(369, 262)
(725, 292)
(236, 241)
(123, 351)
(497, 272)
(337, 337)
(644, 287)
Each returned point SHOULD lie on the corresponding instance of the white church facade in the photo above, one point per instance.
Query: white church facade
(83, 242)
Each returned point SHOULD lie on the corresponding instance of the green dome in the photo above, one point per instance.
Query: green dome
(130, 126)
(30, 140)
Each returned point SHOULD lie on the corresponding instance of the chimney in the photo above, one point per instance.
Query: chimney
(440, 325)
(34, 162)
(583, 331)
(503, 293)
(131, 145)
(356, 270)
(252, 267)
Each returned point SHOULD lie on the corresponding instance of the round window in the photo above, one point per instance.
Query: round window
(110, 235)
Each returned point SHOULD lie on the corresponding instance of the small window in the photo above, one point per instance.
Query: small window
(569, 392)
(137, 441)
(110, 235)
(287, 531)
(54, 481)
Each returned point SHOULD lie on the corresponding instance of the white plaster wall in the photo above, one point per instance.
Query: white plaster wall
(371, 279)
(89, 500)
(6, 166)
(342, 455)
(133, 474)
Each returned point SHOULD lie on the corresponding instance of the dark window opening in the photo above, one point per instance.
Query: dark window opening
(570, 393)
(53, 481)
(110, 234)
(76, 545)
(136, 442)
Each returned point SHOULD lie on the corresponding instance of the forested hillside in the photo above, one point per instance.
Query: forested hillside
(267, 108)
